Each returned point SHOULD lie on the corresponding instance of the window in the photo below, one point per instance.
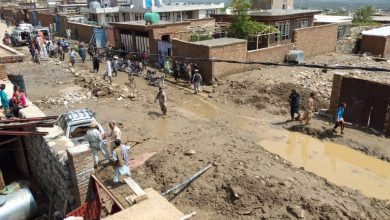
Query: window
(165, 16)
(138, 17)
(302, 23)
(210, 12)
(284, 29)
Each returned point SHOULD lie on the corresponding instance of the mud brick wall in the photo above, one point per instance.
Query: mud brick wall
(81, 32)
(110, 36)
(81, 166)
(376, 45)
(316, 40)
(276, 54)
(3, 72)
(45, 18)
(235, 51)
(335, 95)
(187, 49)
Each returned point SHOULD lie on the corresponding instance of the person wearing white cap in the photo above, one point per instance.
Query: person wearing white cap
(95, 139)
(115, 66)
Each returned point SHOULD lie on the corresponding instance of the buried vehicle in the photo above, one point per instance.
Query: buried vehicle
(76, 124)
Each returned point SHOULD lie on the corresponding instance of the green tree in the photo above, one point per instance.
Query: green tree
(363, 15)
(242, 25)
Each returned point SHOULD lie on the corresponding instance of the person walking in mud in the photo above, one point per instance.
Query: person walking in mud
(162, 100)
(95, 140)
(120, 161)
(108, 71)
(72, 55)
(339, 118)
(196, 80)
(294, 104)
(309, 109)
(95, 63)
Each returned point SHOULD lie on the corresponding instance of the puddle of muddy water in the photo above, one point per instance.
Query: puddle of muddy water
(337, 163)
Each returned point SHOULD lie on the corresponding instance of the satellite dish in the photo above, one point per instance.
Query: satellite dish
(131, 6)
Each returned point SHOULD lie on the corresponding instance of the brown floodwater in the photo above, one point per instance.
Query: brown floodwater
(337, 163)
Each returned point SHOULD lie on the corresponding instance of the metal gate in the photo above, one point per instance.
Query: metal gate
(100, 37)
(367, 102)
(18, 80)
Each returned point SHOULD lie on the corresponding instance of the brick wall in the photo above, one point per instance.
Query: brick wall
(375, 45)
(63, 24)
(49, 165)
(275, 54)
(316, 40)
(110, 36)
(187, 49)
(81, 32)
(387, 48)
(235, 51)
(335, 95)
(45, 18)
(3, 72)
(81, 168)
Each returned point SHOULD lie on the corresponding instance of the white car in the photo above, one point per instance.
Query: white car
(76, 124)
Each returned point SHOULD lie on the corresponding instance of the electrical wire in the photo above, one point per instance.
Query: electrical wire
(317, 66)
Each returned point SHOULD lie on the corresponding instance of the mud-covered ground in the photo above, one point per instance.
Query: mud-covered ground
(224, 127)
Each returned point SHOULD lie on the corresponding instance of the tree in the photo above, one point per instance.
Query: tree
(363, 15)
(242, 25)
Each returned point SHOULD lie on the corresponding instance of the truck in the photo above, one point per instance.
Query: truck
(20, 37)
(45, 31)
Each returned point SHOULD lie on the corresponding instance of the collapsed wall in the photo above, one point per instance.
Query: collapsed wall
(64, 180)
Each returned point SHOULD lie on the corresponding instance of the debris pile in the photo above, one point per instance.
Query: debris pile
(347, 46)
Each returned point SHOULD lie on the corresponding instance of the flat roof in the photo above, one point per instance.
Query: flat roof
(219, 41)
(333, 19)
(281, 12)
(381, 32)
(381, 18)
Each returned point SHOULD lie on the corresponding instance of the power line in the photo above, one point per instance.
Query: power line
(316, 66)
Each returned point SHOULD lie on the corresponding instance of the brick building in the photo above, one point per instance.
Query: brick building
(286, 21)
(376, 42)
(155, 39)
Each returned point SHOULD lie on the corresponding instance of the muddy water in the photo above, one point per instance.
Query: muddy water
(337, 163)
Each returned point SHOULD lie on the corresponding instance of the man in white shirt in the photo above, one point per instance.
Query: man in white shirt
(108, 71)
(114, 135)
(95, 139)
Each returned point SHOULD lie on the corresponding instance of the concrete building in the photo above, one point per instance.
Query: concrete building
(376, 42)
(286, 21)
(168, 12)
(343, 22)
(272, 4)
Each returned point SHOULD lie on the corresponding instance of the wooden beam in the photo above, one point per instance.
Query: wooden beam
(22, 133)
(8, 141)
(134, 186)
(28, 119)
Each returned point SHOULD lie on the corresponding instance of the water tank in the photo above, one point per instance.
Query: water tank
(152, 17)
(94, 4)
(295, 56)
(18, 205)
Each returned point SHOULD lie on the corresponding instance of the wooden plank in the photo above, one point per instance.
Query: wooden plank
(134, 186)
(133, 199)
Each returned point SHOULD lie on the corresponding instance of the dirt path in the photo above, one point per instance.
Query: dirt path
(245, 182)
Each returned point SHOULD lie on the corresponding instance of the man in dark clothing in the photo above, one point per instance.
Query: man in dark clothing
(95, 63)
(176, 72)
(294, 103)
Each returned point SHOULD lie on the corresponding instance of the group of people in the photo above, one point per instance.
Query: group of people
(189, 71)
(117, 154)
(12, 106)
(294, 100)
